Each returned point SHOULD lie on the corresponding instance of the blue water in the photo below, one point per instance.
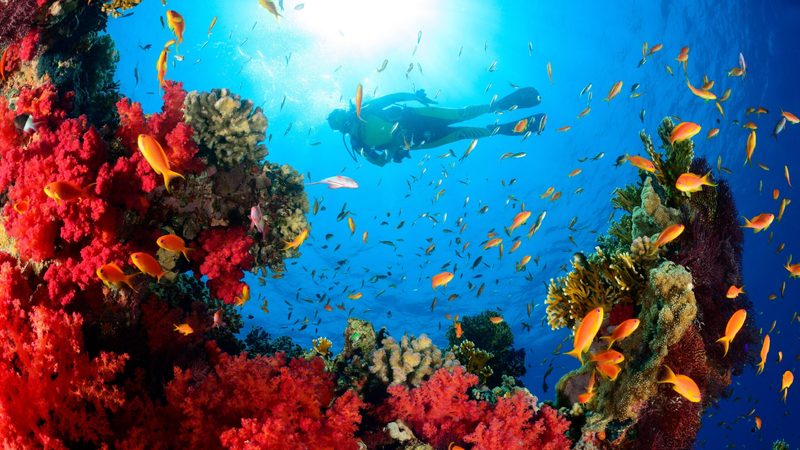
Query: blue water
(316, 56)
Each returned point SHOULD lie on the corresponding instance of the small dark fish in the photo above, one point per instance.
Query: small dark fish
(383, 65)
(419, 36)
(635, 87)
(299, 6)
(477, 261)
(283, 102)
(136, 75)
(546, 374)
(288, 129)
(161, 18)
(779, 127)
(146, 47)
(642, 113)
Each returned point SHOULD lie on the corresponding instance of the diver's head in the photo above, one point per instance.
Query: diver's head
(340, 120)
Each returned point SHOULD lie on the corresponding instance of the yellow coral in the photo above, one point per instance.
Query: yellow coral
(115, 8)
(322, 346)
(599, 280)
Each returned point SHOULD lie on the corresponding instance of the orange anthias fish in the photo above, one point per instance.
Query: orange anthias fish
(176, 23)
(586, 332)
(683, 385)
(550, 72)
(683, 131)
(242, 299)
(441, 279)
(786, 382)
(364, 237)
(763, 354)
(712, 132)
(702, 93)
(734, 291)
(734, 325)
(656, 48)
(642, 163)
(521, 126)
(794, 269)
(112, 275)
(584, 112)
(523, 262)
(750, 147)
(184, 329)
(683, 57)
(515, 246)
(458, 329)
(575, 173)
(496, 320)
(614, 91)
(622, 331)
(669, 234)
(351, 224)
(791, 118)
(760, 222)
(608, 357)
(155, 156)
(174, 243)
(65, 191)
(359, 100)
(269, 5)
(587, 396)
(610, 371)
(689, 182)
(493, 243)
(298, 240)
(519, 220)
(147, 264)
(217, 318)
(355, 296)
(161, 66)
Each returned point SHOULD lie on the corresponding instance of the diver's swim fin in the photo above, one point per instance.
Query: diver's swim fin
(507, 129)
(526, 97)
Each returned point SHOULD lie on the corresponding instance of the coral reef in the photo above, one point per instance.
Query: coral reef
(408, 362)
(495, 339)
(677, 303)
(474, 359)
(228, 129)
(259, 342)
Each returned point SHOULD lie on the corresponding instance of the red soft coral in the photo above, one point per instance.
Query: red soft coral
(53, 391)
(263, 399)
(225, 258)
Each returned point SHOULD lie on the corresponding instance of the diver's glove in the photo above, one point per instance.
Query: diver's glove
(423, 98)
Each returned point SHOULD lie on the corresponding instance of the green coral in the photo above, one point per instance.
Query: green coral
(675, 160)
(259, 342)
(627, 198)
(474, 359)
(601, 280)
(496, 339)
(228, 130)
(351, 366)
(780, 444)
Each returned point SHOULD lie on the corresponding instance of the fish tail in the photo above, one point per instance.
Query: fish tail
(87, 190)
(185, 252)
(670, 376)
(785, 392)
(707, 180)
(127, 280)
(747, 223)
(168, 176)
(760, 367)
(576, 353)
(725, 341)
(609, 339)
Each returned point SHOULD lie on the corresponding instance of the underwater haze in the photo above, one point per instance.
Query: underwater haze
(301, 67)
(479, 224)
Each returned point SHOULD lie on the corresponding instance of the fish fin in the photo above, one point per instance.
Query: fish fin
(725, 344)
(610, 341)
(185, 251)
(127, 281)
(670, 377)
(168, 176)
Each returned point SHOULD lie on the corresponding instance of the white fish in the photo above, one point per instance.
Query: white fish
(25, 123)
(338, 182)
(257, 219)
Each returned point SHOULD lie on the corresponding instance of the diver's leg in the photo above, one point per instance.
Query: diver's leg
(436, 116)
(526, 97)
(456, 134)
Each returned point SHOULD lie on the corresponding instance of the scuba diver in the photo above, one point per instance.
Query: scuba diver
(389, 130)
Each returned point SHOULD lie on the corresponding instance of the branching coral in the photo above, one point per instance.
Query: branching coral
(117, 8)
(474, 359)
(409, 362)
(228, 130)
(16, 19)
(673, 162)
(601, 280)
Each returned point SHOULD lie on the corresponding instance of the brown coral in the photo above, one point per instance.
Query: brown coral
(410, 362)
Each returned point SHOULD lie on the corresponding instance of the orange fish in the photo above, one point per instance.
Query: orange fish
(3, 63)
(702, 93)
(586, 332)
(521, 126)
(441, 279)
(775, 194)
(492, 243)
(147, 265)
(242, 299)
(454, 446)
(734, 291)
(584, 112)
(519, 220)
(355, 296)
(750, 147)
(217, 318)
(622, 331)
(791, 118)
(735, 72)
(608, 357)
(614, 91)
(359, 99)
(459, 330)
(523, 262)
(184, 329)
(642, 163)
(161, 66)
(112, 275)
(725, 95)
(65, 191)
(328, 307)
(683, 385)
(758, 422)
(683, 57)
(176, 23)
(351, 224)
(564, 129)
(587, 396)
(656, 48)
(298, 240)
(734, 325)
(764, 353)
(496, 320)
(683, 131)
(669, 234)
(610, 371)
(689, 182)
(760, 222)
(712, 132)
(555, 196)
(515, 246)
(174, 243)
(155, 156)
(550, 72)
(548, 192)
(794, 269)
(575, 173)
(786, 382)
(364, 237)
(786, 174)
(750, 126)
(269, 5)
